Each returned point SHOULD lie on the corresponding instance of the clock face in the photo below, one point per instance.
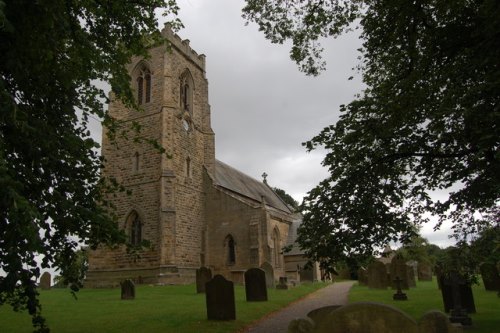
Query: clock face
(185, 124)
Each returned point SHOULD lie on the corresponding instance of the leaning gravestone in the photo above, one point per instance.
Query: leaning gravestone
(491, 279)
(399, 269)
(269, 270)
(220, 299)
(424, 271)
(45, 281)
(465, 294)
(128, 289)
(203, 275)
(377, 275)
(255, 285)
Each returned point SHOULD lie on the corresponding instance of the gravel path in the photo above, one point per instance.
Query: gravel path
(277, 322)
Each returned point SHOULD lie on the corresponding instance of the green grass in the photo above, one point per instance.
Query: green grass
(155, 309)
(427, 297)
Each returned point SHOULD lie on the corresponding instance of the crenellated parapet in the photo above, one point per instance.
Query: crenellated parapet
(183, 46)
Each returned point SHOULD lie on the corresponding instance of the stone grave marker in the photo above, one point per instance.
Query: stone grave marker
(362, 276)
(424, 271)
(45, 281)
(464, 292)
(401, 270)
(361, 317)
(128, 289)
(377, 275)
(269, 270)
(399, 295)
(220, 302)
(458, 313)
(203, 275)
(439, 275)
(412, 281)
(283, 283)
(306, 274)
(491, 279)
(255, 285)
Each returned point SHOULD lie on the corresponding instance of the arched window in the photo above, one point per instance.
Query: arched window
(135, 228)
(188, 167)
(142, 76)
(276, 255)
(230, 248)
(186, 89)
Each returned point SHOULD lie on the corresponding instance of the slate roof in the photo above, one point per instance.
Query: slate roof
(237, 182)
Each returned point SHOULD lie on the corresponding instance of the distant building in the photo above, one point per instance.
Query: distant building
(193, 209)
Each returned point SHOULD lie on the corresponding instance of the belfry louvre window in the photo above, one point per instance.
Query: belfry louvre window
(143, 83)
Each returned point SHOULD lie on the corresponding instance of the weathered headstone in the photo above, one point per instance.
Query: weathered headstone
(401, 270)
(255, 285)
(399, 295)
(45, 281)
(370, 317)
(283, 283)
(128, 289)
(362, 276)
(412, 282)
(306, 275)
(269, 270)
(464, 292)
(203, 275)
(424, 271)
(377, 275)
(491, 279)
(220, 299)
(458, 313)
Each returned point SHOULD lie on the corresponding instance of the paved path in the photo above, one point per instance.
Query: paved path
(277, 322)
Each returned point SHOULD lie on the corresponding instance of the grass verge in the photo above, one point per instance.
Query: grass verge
(155, 309)
(427, 297)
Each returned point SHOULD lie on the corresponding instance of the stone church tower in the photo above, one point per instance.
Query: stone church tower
(194, 210)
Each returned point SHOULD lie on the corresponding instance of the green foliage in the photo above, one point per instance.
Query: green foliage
(52, 196)
(428, 120)
(287, 198)
(486, 245)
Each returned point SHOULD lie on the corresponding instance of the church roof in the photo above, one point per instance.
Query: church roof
(242, 184)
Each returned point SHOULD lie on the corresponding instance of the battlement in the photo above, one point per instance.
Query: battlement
(183, 46)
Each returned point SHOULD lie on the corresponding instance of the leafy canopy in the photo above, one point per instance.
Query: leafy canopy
(51, 194)
(427, 122)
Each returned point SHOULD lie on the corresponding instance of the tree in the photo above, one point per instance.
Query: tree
(52, 197)
(428, 120)
(287, 198)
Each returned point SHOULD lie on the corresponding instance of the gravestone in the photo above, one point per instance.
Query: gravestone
(458, 313)
(439, 275)
(219, 294)
(424, 271)
(399, 295)
(412, 282)
(401, 270)
(362, 276)
(283, 283)
(377, 275)
(203, 275)
(306, 275)
(128, 289)
(491, 279)
(464, 292)
(255, 285)
(370, 317)
(269, 270)
(45, 281)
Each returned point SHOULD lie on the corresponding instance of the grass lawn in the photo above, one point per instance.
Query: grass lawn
(155, 309)
(427, 297)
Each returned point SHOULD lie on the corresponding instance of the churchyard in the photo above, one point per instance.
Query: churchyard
(154, 309)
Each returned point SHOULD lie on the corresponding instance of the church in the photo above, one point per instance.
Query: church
(193, 209)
